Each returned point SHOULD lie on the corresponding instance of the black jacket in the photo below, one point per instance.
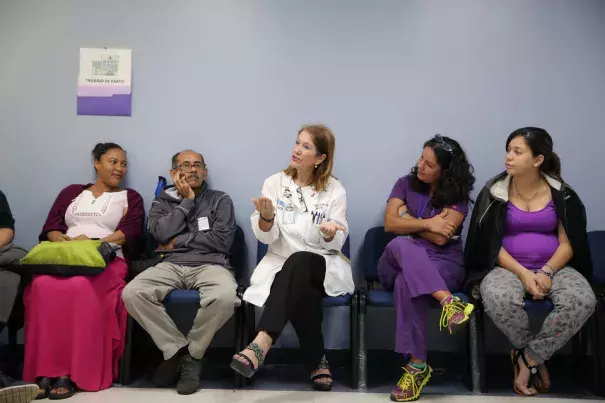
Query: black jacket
(486, 228)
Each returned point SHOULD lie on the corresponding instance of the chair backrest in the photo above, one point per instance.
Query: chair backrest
(261, 250)
(239, 254)
(596, 241)
(375, 242)
(160, 186)
(158, 189)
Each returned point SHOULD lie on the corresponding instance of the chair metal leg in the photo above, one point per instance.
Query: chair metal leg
(596, 352)
(124, 377)
(576, 355)
(475, 340)
(601, 346)
(362, 355)
(12, 337)
(354, 341)
(250, 324)
(13, 360)
(241, 325)
(576, 344)
(597, 346)
(248, 328)
(580, 350)
(239, 334)
(600, 325)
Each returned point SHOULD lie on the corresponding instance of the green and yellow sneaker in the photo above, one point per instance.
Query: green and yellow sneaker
(411, 383)
(455, 314)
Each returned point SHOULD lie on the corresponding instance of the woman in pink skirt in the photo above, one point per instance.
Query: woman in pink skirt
(75, 326)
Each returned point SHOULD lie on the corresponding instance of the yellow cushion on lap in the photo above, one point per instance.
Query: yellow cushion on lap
(70, 253)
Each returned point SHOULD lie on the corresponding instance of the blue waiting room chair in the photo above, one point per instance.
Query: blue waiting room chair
(590, 335)
(372, 297)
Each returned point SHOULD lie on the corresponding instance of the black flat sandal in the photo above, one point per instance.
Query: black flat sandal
(64, 383)
(247, 368)
(44, 384)
(539, 383)
(533, 371)
(322, 386)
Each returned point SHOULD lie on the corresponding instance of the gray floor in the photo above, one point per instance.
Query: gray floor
(129, 395)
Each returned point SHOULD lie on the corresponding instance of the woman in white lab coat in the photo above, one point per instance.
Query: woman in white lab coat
(302, 217)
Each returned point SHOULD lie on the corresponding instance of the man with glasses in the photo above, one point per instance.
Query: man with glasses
(195, 227)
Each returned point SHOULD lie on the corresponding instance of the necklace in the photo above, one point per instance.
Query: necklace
(523, 197)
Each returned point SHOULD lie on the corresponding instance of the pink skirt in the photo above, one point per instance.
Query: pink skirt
(76, 327)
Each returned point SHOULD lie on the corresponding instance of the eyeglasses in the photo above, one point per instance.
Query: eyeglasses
(446, 147)
(187, 166)
(301, 199)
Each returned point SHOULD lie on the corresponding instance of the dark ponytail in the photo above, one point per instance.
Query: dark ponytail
(540, 143)
(102, 148)
(552, 166)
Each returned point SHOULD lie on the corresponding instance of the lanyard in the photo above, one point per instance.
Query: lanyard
(299, 193)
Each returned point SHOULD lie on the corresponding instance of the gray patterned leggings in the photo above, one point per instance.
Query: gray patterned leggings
(574, 301)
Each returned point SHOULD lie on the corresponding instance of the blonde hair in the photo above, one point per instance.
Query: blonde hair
(325, 143)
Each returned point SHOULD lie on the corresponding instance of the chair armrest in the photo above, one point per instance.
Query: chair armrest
(362, 295)
(598, 289)
(138, 266)
(14, 267)
(240, 291)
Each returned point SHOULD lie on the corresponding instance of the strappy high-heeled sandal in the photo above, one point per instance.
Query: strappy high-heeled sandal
(246, 367)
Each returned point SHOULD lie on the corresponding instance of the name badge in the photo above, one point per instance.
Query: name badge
(289, 215)
(203, 224)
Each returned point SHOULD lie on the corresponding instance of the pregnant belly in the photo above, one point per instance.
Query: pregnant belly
(532, 250)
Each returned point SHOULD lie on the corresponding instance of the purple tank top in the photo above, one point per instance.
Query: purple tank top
(531, 237)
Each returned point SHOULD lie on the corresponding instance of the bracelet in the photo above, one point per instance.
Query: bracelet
(550, 267)
(265, 220)
(547, 274)
(325, 236)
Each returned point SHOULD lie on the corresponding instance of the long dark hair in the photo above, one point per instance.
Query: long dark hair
(540, 143)
(456, 181)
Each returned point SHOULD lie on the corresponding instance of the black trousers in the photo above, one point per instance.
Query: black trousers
(296, 296)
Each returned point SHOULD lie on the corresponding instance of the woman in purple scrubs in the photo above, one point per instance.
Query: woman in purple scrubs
(426, 209)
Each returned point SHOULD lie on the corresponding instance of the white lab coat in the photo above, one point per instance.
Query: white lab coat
(284, 239)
